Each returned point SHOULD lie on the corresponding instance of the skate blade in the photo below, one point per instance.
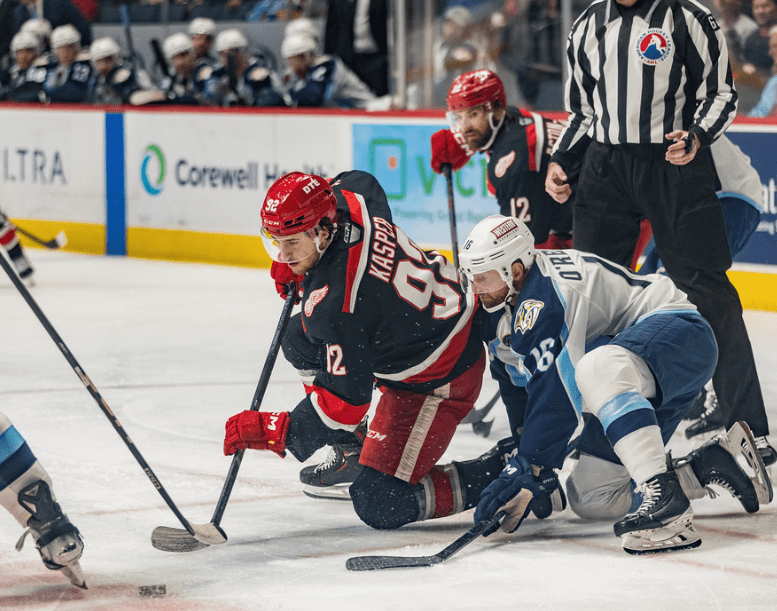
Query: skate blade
(73, 572)
(336, 493)
(739, 442)
(678, 534)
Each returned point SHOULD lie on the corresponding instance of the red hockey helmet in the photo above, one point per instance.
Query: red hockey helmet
(476, 88)
(297, 202)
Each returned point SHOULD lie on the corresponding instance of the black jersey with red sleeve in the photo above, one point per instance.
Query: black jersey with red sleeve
(517, 164)
(381, 310)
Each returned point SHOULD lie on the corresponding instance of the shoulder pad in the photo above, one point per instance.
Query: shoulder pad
(83, 56)
(205, 72)
(122, 74)
(41, 62)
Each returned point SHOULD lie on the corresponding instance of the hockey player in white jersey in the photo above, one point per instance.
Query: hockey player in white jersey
(655, 353)
(26, 492)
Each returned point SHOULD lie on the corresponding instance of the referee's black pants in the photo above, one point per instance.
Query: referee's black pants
(621, 185)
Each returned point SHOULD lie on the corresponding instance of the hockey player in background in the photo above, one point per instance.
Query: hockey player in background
(26, 492)
(376, 309)
(67, 78)
(654, 353)
(188, 75)
(114, 81)
(517, 144)
(10, 242)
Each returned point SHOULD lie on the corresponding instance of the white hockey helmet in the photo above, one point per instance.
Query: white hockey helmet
(201, 25)
(25, 40)
(176, 44)
(296, 44)
(302, 25)
(104, 47)
(40, 27)
(65, 35)
(230, 39)
(494, 244)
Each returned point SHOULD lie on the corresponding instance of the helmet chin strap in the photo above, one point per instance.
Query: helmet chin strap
(317, 239)
(494, 130)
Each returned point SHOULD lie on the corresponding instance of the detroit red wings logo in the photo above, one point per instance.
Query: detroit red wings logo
(314, 298)
(504, 163)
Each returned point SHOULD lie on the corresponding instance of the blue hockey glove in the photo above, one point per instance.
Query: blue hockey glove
(514, 491)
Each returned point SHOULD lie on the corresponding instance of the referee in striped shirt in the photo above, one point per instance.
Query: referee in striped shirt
(650, 88)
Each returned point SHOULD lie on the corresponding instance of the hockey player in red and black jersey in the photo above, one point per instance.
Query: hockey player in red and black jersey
(377, 311)
(516, 142)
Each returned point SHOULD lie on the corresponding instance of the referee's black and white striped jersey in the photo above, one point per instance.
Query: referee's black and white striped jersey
(637, 74)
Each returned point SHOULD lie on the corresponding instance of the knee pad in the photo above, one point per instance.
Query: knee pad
(611, 370)
(382, 501)
(598, 489)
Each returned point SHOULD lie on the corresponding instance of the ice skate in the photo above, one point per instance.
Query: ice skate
(663, 520)
(729, 462)
(710, 420)
(766, 451)
(57, 540)
(24, 269)
(332, 478)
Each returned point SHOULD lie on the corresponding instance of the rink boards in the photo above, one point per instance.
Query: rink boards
(187, 184)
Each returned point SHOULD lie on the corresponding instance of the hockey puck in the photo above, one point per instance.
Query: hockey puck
(157, 590)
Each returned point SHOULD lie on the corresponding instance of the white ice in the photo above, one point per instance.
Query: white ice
(175, 349)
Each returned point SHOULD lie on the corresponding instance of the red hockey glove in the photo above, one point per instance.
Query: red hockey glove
(257, 431)
(448, 147)
(283, 276)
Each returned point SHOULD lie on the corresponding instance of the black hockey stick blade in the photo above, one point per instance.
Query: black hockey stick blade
(177, 540)
(376, 563)
(56, 242)
(477, 415)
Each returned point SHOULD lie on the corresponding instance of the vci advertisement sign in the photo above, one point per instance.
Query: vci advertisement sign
(210, 172)
(399, 156)
(762, 247)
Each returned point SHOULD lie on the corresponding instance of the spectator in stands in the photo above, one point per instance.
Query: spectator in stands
(313, 80)
(240, 79)
(88, 8)
(15, 82)
(756, 48)
(766, 106)
(115, 81)
(188, 75)
(57, 13)
(7, 8)
(67, 77)
(357, 33)
(201, 31)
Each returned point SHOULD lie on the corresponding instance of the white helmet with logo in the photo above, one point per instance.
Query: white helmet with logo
(296, 44)
(495, 243)
(25, 40)
(176, 44)
(104, 47)
(65, 35)
(230, 39)
(201, 25)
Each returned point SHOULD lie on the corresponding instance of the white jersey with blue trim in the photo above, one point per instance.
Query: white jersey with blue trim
(569, 298)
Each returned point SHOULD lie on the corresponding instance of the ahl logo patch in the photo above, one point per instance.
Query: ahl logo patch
(504, 163)
(654, 46)
(314, 298)
(527, 315)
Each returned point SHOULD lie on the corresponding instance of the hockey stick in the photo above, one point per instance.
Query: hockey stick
(475, 416)
(57, 241)
(376, 563)
(202, 532)
(134, 57)
(159, 56)
(176, 540)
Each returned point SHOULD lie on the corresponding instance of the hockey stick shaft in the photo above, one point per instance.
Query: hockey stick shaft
(52, 244)
(6, 265)
(374, 563)
(452, 213)
(256, 402)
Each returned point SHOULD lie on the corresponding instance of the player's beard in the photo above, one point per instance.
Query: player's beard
(476, 140)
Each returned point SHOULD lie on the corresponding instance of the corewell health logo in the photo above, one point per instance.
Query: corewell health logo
(152, 170)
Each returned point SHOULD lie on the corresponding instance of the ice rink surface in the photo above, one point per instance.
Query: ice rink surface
(175, 349)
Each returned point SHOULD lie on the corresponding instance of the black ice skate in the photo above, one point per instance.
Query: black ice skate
(765, 450)
(57, 540)
(710, 420)
(663, 520)
(332, 478)
(716, 463)
(23, 268)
